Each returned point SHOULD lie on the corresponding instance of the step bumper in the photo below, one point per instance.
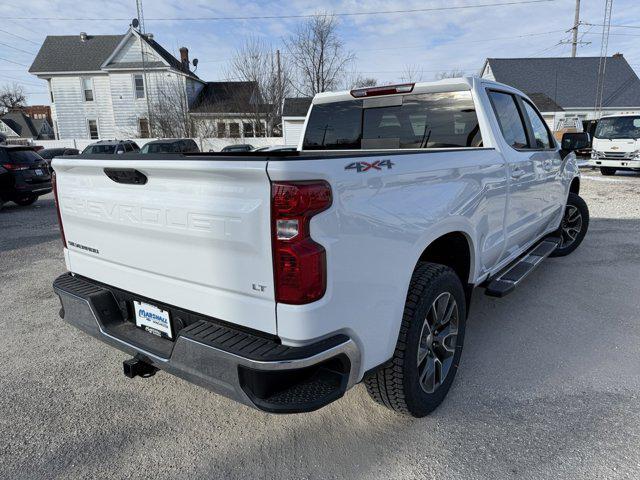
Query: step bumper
(253, 370)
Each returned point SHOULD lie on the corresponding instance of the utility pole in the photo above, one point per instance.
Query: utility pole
(280, 94)
(576, 24)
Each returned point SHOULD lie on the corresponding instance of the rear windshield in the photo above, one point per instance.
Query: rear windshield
(618, 127)
(160, 148)
(426, 120)
(23, 157)
(100, 149)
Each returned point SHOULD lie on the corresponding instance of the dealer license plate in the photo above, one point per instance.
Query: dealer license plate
(153, 319)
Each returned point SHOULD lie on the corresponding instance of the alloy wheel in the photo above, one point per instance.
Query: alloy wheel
(570, 226)
(438, 342)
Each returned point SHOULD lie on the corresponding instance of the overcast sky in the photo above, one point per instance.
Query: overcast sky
(385, 44)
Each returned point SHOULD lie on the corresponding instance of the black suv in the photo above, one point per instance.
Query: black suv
(24, 175)
(112, 147)
(49, 153)
(170, 145)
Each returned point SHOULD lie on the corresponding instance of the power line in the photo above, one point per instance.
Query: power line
(18, 36)
(277, 17)
(11, 61)
(16, 48)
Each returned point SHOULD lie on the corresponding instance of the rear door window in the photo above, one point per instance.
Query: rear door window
(511, 124)
(428, 120)
(541, 134)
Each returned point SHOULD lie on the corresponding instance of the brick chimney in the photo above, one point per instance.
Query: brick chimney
(184, 57)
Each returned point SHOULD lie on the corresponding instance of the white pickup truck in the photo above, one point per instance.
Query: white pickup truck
(283, 279)
(616, 144)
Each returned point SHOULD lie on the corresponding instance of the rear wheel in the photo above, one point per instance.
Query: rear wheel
(427, 354)
(26, 201)
(607, 171)
(574, 225)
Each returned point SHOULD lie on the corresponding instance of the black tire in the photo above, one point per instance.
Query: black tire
(396, 384)
(575, 204)
(26, 201)
(607, 171)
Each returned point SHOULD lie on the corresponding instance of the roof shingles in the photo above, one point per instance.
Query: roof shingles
(571, 82)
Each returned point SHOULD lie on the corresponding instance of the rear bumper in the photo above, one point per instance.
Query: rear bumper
(251, 369)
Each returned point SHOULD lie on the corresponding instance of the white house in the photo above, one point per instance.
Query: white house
(102, 86)
(565, 88)
(294, 112)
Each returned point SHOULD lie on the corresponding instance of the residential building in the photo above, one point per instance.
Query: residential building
(230, 110)
(566, 87)
(36, 112)
(20, 128)
(126, 86)
(294, 112)
(109, 86)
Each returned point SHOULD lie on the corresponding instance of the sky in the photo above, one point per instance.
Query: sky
(443, 36)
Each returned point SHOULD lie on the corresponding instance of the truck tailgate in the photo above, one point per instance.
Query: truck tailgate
(196, 235)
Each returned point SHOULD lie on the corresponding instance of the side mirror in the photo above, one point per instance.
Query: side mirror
(575, 141)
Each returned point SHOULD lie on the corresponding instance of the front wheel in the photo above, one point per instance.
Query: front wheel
(574, 225)
(26, 201)
(607, 171)
(424, 364)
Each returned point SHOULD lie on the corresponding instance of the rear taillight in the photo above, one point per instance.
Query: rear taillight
(14, 166)
(54, 184)
(383, 90)
(300, 264)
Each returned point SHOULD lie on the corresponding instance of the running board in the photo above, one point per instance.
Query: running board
(506, 281)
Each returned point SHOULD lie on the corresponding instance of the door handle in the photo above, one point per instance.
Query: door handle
(517, 172)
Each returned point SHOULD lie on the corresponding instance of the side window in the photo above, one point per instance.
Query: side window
(506, 110)
(128, 147)
(87, 88)
(541, 132)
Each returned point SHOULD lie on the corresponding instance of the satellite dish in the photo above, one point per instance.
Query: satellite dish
(195, 63)
(135, 23)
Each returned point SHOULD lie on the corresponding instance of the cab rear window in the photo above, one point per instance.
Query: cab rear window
(427, 120)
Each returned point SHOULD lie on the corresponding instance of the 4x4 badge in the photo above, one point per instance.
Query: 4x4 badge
(366, 166)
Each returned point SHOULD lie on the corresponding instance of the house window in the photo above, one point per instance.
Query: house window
(260, 129)
(138, 81)
(50, 90)
(93, 129)
(247, 128)
(87, 87)
(143, 127)
(234, 130)
(221, 128)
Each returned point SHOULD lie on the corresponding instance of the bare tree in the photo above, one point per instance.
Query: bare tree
(268, 72)
(455, 73)
(11, 96)
(169, 108)
(357, 80)
(318, 55)
(412, 73)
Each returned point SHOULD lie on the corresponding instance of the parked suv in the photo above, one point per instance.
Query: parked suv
(170, 145)
(49, 153)
(283, 280)
(24, 175)
(111, 147)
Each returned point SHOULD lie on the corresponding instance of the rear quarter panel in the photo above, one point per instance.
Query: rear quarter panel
(379, 224)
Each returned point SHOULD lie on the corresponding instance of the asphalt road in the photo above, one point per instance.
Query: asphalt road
(549, 385)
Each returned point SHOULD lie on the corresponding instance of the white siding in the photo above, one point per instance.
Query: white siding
(292, 130)
(131, 52)
(71, 111)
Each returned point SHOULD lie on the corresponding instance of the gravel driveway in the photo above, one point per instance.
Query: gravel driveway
(549, 385)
